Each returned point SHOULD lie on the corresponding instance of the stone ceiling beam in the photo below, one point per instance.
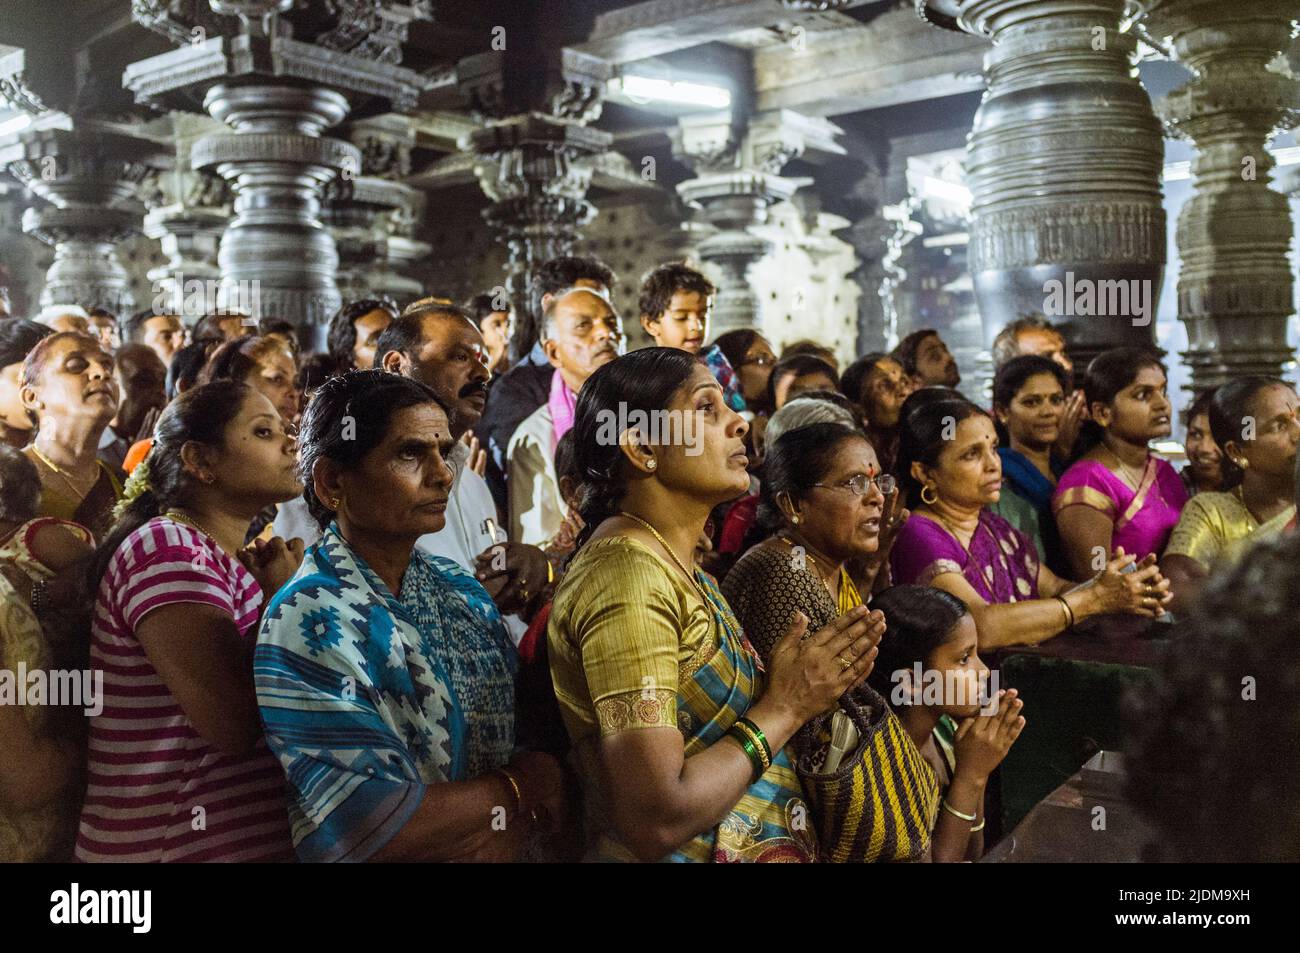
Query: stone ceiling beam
(894, 59)
(656, 27)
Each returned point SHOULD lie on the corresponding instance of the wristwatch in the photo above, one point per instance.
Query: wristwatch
(40, 598)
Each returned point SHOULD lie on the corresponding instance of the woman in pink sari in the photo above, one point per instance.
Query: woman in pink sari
(949, 466)
(1118, 495)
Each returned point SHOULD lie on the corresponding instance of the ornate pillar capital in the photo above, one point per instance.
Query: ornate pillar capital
(530, 152)
(736, 180)
(279, 95)
(89, 178)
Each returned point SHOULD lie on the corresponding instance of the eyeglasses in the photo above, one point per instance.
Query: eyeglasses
(860, 484)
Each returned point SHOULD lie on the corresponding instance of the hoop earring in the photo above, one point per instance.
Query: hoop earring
(929, 488)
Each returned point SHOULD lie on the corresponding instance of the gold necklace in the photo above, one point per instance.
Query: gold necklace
(664, 543)
(62, 474)
(180, 517)
(848, 597)
(1125, 473)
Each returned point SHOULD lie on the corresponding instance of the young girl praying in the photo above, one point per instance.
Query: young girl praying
(930, 671)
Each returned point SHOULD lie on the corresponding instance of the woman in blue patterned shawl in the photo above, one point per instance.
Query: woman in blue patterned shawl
(385, 676)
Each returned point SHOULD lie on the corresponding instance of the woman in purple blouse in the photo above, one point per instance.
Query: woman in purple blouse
(949, 466)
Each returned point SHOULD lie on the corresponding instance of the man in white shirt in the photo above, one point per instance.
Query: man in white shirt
(438, 345)
(580, 332)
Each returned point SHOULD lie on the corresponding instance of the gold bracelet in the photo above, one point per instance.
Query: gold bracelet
(514, 786)
(1069, 613)
(969, 818)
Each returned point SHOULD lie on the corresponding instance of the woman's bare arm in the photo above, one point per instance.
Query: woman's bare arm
(1086, 534)
(197, 652)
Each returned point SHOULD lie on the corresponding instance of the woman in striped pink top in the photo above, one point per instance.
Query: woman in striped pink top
(178, 767)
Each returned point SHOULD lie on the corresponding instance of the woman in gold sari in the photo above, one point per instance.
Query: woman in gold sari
(1253, 420)
(69, 391)
(679, 734)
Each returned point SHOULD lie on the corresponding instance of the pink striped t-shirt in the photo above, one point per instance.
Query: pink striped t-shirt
(157, 791)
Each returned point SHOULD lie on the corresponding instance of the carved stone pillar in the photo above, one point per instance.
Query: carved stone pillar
(188, 213)
(406, 253)
(1235, 284)
(89, 176)
(535, 103)
(869, 233)
(365, 212)
(279, 95)
(736, 182)
(901, 229)
(1064, 165)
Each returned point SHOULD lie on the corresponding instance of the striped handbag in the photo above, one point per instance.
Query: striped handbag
(880, 801)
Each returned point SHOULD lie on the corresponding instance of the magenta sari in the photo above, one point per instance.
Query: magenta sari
(1002, 564)
(1143, 519)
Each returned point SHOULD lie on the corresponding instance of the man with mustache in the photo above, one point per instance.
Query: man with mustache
(580, 332)
(525, 387)
(436, 343)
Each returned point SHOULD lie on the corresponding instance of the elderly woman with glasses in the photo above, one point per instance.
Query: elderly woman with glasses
(824, 500)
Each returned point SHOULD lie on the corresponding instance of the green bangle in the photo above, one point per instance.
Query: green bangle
(750, 752)
(758, 733)
(759, 746)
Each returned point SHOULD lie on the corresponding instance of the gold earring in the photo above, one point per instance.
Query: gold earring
(651, 463)
(929, 488)
(796, 519)
(336, 503)
(1243, 463)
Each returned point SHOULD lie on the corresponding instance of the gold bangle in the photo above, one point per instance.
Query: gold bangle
(1069, 613)
(514, 786)
(969, 818)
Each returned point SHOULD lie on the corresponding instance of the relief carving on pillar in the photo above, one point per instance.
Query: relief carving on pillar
(1098, 232)
(373, 30)
(178, 20)
(274, 147)
(14, 88)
